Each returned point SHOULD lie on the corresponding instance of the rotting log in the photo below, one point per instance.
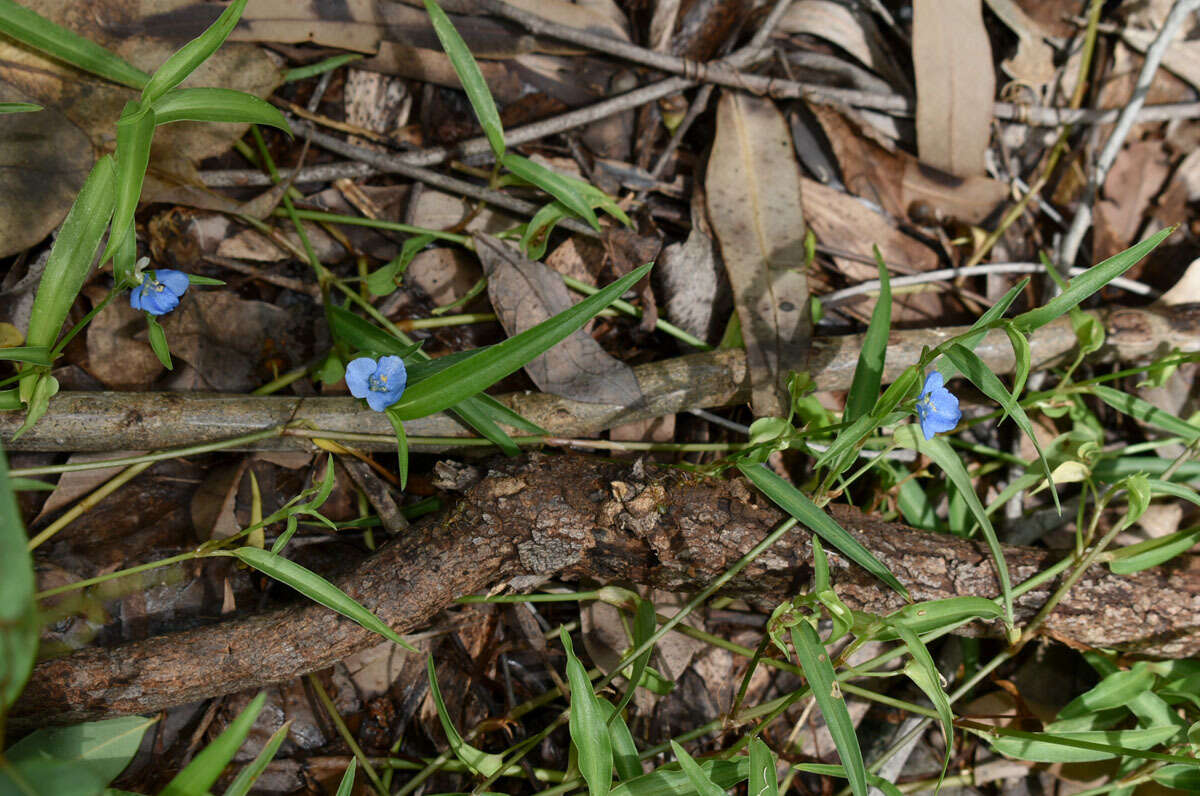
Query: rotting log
(528, 520)
(98, 421)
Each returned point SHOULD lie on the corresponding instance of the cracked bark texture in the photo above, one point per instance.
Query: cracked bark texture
(528, 520)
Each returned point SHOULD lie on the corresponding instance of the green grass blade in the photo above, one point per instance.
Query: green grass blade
(320, 67)
(36, 31)
(625, 753)
(217, 105)
(940, 614)
(811, 655)
(670, 781)
(95, 750)
(553, 183)
(701, 784)
(317, 589)
(477, 760)
(199, 775)
(1146, 412)
(1089, 282)
(486, 367)
(34, 355)
(796, 503)
(924, 673)
(868, 375)
(469, 75)
(979, 329)
(401, 447)
(19, 107)
(944, 456)
(764, 781)
(19, 623)
(255, 768)
(184, 61)
(135, 131)
(1152, 552)
(645, 622)
(1079, 747)
(346, 786)
(588, 725)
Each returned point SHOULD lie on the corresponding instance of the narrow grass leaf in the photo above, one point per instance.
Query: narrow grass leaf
(846, 440)
(1178, 776)
(868, 375)
(135, 131)
(814, 660)
(346, 786)
(645, 622)
(501, 413)
(671, 781)
(486, 367)
(158, 342)
(98, 749)
(36, 31)
(1160, 487)
(480, 762)
(971, 366)
(924, 673)
(701, 784)
(33, 354)
(978, 330)
(19, 107)
(561, 188)
(763, 779)
(401, 446)
(71, 256)
(362, 335)
(1146, 412)
(254, 769)
(320, 67)
(625, 754)
(796, 503)
(944, 456)
(941, 614)
(1087, 283)
(317, 589)
(469, 75)
(1152, 552)
(588, 725)
(217, 105)
(184, 61)
(1079, 747)
(199, 775)
(1114, 691)
(1022, 358)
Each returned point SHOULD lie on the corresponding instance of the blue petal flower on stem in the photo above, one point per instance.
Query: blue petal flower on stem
(937, 408)
(380, 382)
(159, 292)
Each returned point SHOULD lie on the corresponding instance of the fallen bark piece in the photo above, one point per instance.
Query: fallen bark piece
(574, 517)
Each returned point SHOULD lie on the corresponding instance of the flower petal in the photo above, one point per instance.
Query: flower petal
(934, 381)
(392, 370)
(159, 302)
(174, 281)
(379, 401)
(137, 296)
(357, 373)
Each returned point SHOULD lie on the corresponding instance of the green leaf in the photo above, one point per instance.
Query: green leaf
(588, 725)
(941, 614)
(1178, 776)
(64, 760)
(763, 778)
(45, 388)
(1114, 691)
(317, 589)
(346, 786)
(19, 624)
(482, 763)
(1087, 283)
(1152, 552)
(255, 768)
(158, 341)
(185, 60)
(1146, 412)
(978, 330)
(701, 784)
(814, 660)
(982, 377)
(217, 105)
(19, 107)
(33, 354)
(71, 256)
(560, 187)
(469, 75)
(1022, 357)
(924, 673)
(940, 451)
(362, 335)
(135, 131)
(1079, 747)
(40, 33)
(199, 775)
(535, 237)
(486, 367)
(401, 446)
(625, 753)
(868, 376)
(382, 281)
(671, 781)
(320, 67)
(796, 503)
(645, 622)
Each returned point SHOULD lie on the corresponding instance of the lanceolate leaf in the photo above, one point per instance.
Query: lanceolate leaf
(589, 726)
(200, 774)
(184, 61)
(217, 105)
(864, 390)
(469, 75)
(30, 28)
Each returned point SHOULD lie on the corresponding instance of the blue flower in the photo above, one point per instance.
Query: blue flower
(381, 383)
(159, 291)
(937, 408)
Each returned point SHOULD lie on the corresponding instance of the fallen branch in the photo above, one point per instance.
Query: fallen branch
(582, 518)
(97, 421)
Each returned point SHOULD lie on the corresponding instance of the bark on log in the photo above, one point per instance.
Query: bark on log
(576, 517)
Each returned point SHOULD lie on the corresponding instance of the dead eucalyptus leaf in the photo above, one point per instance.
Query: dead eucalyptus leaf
(952, 60)
(753, 184)
(833, 22)
(1034, 61)
(525, 293)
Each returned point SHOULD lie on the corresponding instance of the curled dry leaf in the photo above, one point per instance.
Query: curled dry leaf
(952, 60)
(753, 184)
(525, 293)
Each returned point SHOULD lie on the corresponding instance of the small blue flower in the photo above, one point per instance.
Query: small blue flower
(381, 383)
(937, 408)
(159, 291)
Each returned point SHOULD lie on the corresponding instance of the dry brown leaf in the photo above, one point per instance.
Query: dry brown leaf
(1033, 63)
(1136, 177)
(525, 293)
(753, 185)
(952, 60)
(833, 22)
